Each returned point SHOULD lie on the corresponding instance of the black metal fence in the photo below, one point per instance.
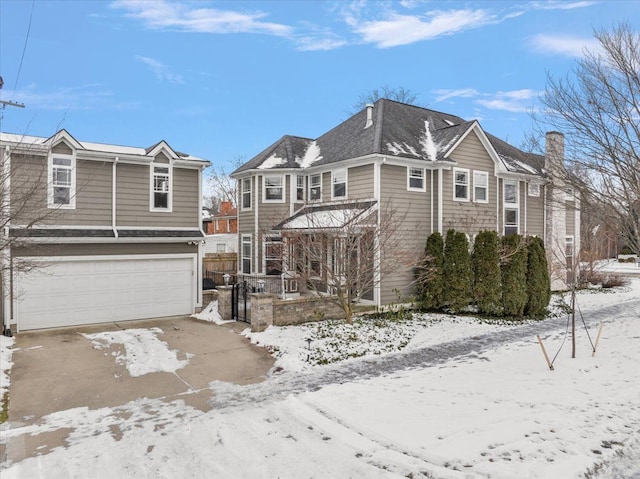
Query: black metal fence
(256, 283)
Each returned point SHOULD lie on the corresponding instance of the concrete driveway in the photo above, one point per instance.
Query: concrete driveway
(60, 369)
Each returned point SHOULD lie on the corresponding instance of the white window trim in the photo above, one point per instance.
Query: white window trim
(468, 173)
(346, 182)
(169, 207)
(409, 176)
(246, 239)
(311, 186)
(298, 178)
(72, 188)
(282, 189)
(272, 239)
(242, 192)
(486, 186)
(510, 206)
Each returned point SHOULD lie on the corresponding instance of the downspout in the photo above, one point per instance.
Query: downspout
(199, 265)
(440, 200)
(256, 225)
(377, 297)
(5, 173)
(114, 186)
(431, 201)
(498, 205)
(525, 194)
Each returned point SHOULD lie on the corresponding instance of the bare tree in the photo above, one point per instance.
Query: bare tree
(221, 186)
(343, 251)
(598, 107)
(401, 94)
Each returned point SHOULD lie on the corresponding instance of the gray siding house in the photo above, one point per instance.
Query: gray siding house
(98, 233)
(439, 170)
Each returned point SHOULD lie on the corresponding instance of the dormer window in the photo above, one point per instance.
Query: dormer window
(161, 188)
(62, 182)
(273, 189)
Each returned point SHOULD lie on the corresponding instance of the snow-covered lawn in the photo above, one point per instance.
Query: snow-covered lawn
(491, 408)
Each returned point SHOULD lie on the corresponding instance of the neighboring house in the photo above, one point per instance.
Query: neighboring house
(117, 237)
(221, 243)
(440, 170)
(223, 222)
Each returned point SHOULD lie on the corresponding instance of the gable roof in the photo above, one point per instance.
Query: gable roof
(398, 129)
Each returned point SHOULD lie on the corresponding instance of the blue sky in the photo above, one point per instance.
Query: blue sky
(226, 79)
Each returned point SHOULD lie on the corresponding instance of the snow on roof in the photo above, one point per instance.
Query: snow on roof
(272, 162)
(125, 150)
(401, 149)
(310, 156)
(15, 138)
(426, 141)
(327, 218)
(518, 165)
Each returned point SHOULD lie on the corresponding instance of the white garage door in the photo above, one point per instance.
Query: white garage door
(69, 292)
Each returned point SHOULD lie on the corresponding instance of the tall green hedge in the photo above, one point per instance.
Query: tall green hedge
(538, 281)
(487, 280)
(456, 271)
(514, 275)
(429, 273)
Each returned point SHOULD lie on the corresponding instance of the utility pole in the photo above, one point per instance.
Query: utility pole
(8, 103)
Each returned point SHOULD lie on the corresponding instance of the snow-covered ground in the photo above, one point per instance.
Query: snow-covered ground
(460, 399)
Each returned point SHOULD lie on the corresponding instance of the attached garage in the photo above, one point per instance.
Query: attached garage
(69, 291)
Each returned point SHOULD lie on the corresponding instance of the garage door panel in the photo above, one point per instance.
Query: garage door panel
(91, 291)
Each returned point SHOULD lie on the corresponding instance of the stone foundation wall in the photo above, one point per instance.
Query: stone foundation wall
(304, 310)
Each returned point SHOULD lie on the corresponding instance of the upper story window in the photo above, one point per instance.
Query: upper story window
(569, 194)
(415, 179)
(533, 189)
(460, 184)
(511, 207)
(273, 190)
(480, 186)
(246, 194)
(160, 188)
(299, 188)
(339, 182)
(62, 182)
(315, 187)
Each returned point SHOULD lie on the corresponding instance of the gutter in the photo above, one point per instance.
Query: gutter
(5, 296)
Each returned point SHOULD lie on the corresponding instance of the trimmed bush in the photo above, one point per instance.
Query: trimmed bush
(429, 273)
(514, 275)
(456, 271)
(538, 282)
(487, 281)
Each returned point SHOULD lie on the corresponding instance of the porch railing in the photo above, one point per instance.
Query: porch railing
(257, 283)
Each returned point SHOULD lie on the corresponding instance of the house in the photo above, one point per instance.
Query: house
(224, 221)
(98, 233)
(437, 171)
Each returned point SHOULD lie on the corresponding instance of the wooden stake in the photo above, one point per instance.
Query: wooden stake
(544, 351)
(595, 346)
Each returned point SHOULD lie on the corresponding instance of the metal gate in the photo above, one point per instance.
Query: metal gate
(240, 303)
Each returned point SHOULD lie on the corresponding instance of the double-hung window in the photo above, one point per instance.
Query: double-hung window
(415, 179)
(161, 188)
(273, 188)
(339, 182)
(246, 194)
(62, 182)
(246, 254)
(533, 189)
(511, 207)
(315, 187)
(460, 184)
(273, 249)
(480, 186)
(299, 188)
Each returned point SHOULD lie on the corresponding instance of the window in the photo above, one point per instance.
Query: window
(569, 194)
(339, 182)
(273, 188)
(273, 249)
(569, 250)
(480, 186)
(511, 207)
(246, 193)
(221, 248)
(460, 184)
(62, 182)
(533, 189)
(315, 187)
(415, 179)
(299, 188)
(161, 194)
(246, 254)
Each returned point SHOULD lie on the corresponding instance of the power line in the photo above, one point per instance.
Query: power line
(24, 49)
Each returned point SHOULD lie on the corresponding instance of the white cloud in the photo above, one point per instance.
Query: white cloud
(563, 44)
(162, 14)
(399, 29)
(85, 97)
(444, 94)
(160, 70)
(515, 101)
(562, 5)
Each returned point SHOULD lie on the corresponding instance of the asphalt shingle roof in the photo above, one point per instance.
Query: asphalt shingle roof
(398, 129)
